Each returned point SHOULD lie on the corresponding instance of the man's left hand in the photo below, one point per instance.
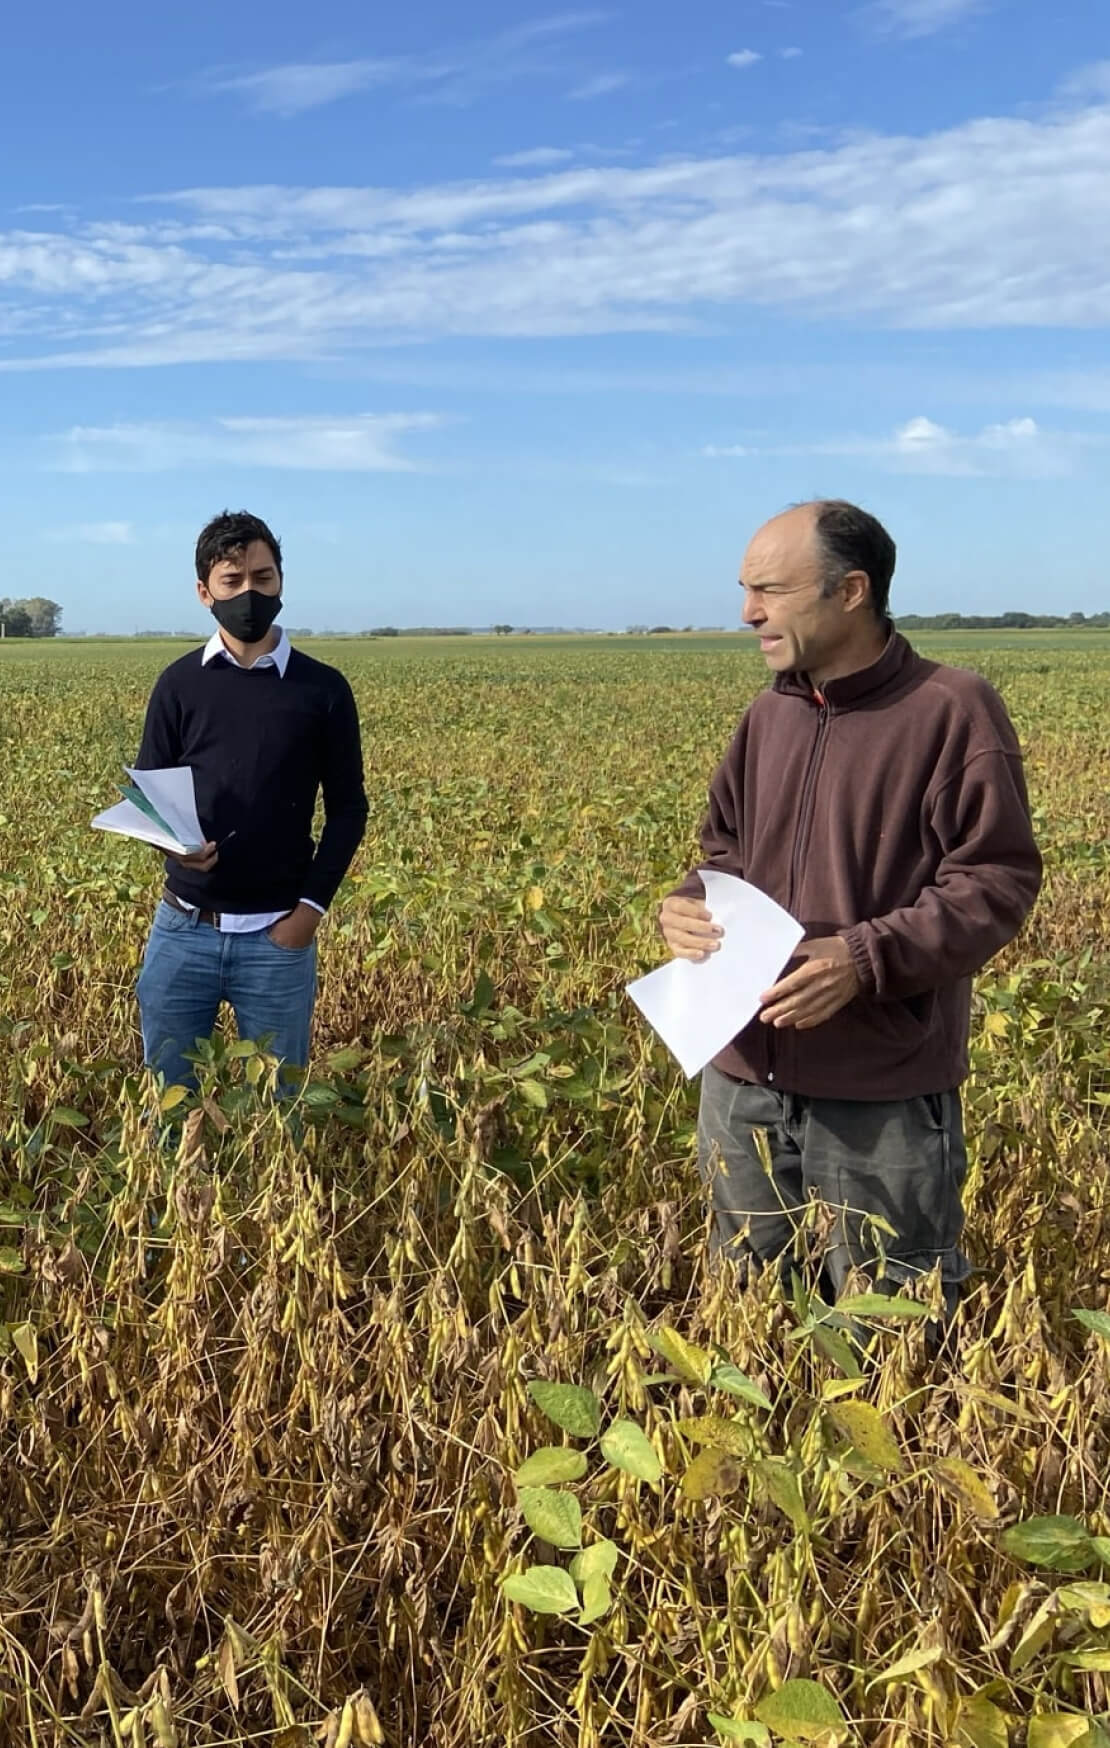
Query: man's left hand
(819, 989)
(298, 929)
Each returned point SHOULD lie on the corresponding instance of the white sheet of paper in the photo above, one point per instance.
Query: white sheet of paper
(699, 1008)
(172, 792)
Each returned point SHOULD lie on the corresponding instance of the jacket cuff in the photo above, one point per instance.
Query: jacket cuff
(861, 958)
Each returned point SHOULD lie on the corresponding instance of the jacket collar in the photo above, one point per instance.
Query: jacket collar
(885, 675)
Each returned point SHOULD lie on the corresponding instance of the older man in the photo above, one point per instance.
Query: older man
(878, 797)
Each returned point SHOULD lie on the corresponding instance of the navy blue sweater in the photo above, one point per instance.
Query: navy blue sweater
(262, 746)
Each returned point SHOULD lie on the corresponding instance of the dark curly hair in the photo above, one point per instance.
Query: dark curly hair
(228, 533)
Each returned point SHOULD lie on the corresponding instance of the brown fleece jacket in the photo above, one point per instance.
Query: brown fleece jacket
(890, 809)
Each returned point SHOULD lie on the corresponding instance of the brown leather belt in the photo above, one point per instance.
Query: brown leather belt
(211, 917)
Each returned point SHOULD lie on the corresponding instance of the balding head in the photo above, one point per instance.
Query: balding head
(816, 581)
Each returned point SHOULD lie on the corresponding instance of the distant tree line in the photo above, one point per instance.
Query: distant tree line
(1001, 621)
(35, 617)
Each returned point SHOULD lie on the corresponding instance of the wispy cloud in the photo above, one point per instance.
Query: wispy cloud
(744, 58)
(916, 18)
(458, 74)
(1014, 448)
(535, 158)
(984, 225)
(363, 444)
(97, 534)
(599, 86)
(291, 89)
(789, 54)
(1090, 84)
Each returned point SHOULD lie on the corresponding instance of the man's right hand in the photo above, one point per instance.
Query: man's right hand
(200, 861)
(689, 929)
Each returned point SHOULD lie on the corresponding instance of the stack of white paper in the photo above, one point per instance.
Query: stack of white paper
(160, 808)
(698, 1008)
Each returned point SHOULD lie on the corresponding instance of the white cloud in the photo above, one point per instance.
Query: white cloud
(790, 54)
(599, 86)
(97, 533)
(535, 158)
(744, 58)
(915, 18)
(362, 444)
(1013, 448)
(988, 224)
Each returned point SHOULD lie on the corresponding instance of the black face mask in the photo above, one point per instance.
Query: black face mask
(247, 617)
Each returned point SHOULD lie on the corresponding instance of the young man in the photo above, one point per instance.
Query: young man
(264, 729)
(880, 799)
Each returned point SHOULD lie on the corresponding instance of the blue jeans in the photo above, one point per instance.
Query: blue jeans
(190, 968)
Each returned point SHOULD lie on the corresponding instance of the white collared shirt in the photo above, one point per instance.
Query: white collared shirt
(232, 922)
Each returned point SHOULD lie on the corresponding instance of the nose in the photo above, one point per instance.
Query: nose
(753, 611)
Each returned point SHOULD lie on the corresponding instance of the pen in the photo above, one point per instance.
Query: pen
(224, 841)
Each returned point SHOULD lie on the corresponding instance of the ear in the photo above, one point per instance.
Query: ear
(856, 591)
(203, 594)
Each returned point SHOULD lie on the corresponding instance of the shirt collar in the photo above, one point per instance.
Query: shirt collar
(277, 658)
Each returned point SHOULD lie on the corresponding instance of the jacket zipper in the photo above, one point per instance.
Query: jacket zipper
(801, 835)
(809, 791)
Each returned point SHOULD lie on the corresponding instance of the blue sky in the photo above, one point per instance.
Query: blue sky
(505, 313)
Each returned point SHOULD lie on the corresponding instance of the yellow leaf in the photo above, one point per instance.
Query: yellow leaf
(690, 1362)
(866, 1429)
(908, 1665)
(225, 1663)
(961, 1479)
(711, 1475)
(996, 1025)
(715, 1430)
(26, 1341)
(980, 1723)
(1057, 1729)
(1091, 1599)
(533, 898)
(171, 1098)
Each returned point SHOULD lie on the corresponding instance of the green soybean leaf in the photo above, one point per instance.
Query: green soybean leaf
(627, 1447)
(728, 1377)
(1060, 1543)
(551, 1463)
(597, 1599)
(880, 1305)
(598, 1560)
(802, 1710)
(68, 1117)
(740, 1730)
(552, 1514)
(543, 1589)
(784, 1490)
(1099, 1321)
(570, 1406)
